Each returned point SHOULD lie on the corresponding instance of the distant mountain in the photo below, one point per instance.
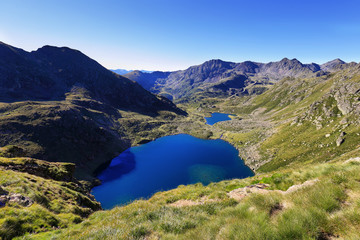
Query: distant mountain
(120, 71)
(336, 65)
(210, 77)
(147, 79)
(124, 71)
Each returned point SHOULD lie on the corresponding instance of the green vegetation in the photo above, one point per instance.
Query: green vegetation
(328, 208)
(35, 202)
(301, 137)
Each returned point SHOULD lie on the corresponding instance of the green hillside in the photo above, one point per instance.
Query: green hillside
(317, 202)
(301, 137)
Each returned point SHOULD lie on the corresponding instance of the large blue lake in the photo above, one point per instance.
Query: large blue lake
(164, 164)
(217, 117)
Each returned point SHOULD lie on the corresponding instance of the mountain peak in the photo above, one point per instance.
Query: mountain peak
(332, 65)
(337, 60)
(216, 63)
(48, 49)
(50, 73)
(294, 60)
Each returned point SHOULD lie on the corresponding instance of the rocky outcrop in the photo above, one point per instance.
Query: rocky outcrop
(56, 171)
(347, 98)
(13, 198)
(261, 188)
(240, 193)
(340, 139)
(342, 100)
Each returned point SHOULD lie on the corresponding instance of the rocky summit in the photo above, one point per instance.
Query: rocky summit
(220, 78)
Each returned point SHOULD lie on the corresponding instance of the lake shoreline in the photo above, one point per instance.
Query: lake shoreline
(204, 161)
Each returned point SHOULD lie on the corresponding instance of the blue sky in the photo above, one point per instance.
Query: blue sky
(174, 34)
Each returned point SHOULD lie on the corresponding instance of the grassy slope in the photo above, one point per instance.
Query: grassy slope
(289, 123)
(56, 204)
(328, 208)
(79, 129)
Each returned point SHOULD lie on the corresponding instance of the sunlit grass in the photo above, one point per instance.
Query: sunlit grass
(329, 207)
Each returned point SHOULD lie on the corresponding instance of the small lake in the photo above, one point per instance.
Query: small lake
(217, 117)
(164, 164)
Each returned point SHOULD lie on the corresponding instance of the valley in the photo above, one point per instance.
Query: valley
(62, 122)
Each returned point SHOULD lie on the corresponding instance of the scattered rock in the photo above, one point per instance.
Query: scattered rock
(343, 121)
(20, 199)
(300, 186)
(327, 135)
(240, 193)
(5, 197)
(340, 139)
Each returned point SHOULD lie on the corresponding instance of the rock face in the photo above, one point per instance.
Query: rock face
(204, 78)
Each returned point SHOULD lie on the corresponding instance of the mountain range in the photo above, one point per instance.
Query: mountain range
(217, 77)
(124, 71)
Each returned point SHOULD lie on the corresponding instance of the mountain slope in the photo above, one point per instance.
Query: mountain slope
(147, 80)
(60, 105)
(38, 196)
(296, 121)
(50, 72)
(199, 80)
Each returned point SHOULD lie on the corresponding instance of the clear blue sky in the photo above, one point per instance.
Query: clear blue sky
(174, 34)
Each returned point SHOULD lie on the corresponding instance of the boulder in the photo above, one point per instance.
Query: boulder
(20, 199)
(339, 141)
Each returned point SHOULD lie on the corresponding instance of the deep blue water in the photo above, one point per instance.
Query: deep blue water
(217, 117)
(166, 163)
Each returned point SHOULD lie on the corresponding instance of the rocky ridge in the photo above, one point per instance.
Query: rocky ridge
(221, 78)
